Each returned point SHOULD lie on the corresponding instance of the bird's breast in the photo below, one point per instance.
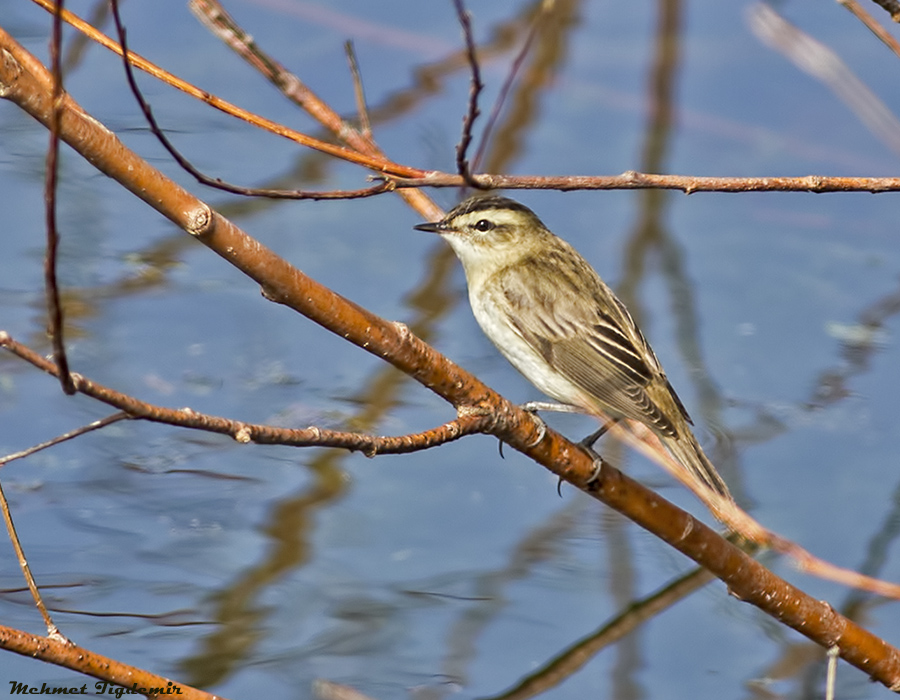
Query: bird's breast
(493, 320)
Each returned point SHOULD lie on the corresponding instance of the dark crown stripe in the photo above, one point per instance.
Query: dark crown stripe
(492, 201)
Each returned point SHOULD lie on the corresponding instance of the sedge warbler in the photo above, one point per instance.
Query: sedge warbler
(560, 325)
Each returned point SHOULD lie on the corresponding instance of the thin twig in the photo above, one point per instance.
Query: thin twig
(379, 164)
(476, 86)
(380, 188)
(52, 630)
(362, 110)
(96, 425)
(468, 423)
(54, 307)
(214, 17)
(545, 7)
(632, 180)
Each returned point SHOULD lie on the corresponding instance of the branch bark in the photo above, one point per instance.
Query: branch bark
(72, 656)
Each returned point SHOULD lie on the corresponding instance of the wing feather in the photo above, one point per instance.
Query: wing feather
(574, 321)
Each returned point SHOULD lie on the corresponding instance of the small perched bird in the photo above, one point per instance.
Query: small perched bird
(556, 321)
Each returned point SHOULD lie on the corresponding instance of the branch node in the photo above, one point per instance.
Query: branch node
(11, 67)
(270, 294)
(243, 435)
(200, 221)
(403, 330)
(57, 636)
(370, 451)
(76, 380)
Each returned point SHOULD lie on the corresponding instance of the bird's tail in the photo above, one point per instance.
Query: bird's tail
(689, 454)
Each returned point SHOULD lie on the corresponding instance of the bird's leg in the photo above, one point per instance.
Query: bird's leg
(588, 442)
(535, 406)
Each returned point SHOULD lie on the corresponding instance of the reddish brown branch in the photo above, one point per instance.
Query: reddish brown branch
(631, 180)
(108, 670)
(407, 177)
(467, 424)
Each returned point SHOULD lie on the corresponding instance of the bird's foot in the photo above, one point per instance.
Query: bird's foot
(535, 406)
(588, 446)
(532, 408)
(541, 428)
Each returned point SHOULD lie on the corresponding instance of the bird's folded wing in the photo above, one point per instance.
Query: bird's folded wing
(602, 353)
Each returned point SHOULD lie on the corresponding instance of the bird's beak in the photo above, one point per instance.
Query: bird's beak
(433, 227)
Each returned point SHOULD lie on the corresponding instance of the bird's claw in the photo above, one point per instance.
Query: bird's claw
(588, 446)
(541, 428)
(598, 467)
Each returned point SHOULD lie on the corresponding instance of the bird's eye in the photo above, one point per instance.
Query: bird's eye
(483, 225)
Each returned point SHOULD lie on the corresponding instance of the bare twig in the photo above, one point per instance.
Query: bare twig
(468, 423)
(379, 188)
(631, 180)
(96, 425)
(52, 630)
(217, 20)
(546, 6)
(54, 307)
(476, 86)
(362, 110)
(378, 164)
